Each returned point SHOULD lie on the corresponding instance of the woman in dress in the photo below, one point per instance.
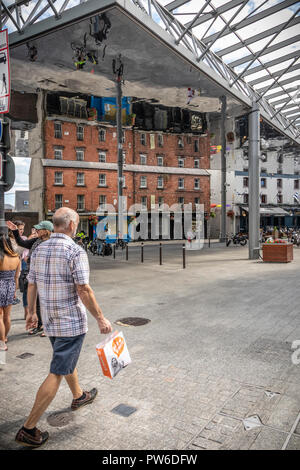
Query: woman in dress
(10, 265)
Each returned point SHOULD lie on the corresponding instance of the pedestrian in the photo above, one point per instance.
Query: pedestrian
(18, 249)
(43, 230)
(59, 272)
(101, 236)
(9, 274)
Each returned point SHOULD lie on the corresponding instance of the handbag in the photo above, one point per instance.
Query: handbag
(113, 354)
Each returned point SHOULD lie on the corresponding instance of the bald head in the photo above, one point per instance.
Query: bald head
(65, 220)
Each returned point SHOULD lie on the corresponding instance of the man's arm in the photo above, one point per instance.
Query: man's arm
(88, 299)
(31, 319)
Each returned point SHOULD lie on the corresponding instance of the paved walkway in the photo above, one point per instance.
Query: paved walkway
(218, 350)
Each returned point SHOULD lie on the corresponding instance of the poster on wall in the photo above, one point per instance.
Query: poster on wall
(4, 73)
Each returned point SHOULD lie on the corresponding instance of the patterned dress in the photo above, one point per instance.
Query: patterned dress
(7, 287)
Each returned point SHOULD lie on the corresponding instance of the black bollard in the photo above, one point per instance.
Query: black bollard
(114, 250)
(142, 252)
(126, 252)
(209, 242)
(160, 254)
(183, 256)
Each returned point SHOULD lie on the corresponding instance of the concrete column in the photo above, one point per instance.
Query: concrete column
(254, 186)
(223, 170)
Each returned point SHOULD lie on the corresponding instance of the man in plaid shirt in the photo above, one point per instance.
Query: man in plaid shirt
(59, 272)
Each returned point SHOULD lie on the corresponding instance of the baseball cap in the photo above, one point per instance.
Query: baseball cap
(44, 225)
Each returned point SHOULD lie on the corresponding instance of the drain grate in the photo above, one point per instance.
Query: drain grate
(132, 321)
(59, 420)
(252, 422)
(124, 410)
(25, 355)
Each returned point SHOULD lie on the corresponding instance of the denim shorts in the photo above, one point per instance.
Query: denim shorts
(66, 352)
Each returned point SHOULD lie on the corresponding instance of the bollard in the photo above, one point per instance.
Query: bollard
(114, 250)
(160, 254)
(126, 252)
(142, 252)
(183, 256)
(209, 243)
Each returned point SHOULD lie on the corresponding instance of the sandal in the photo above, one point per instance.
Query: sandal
(35, 331)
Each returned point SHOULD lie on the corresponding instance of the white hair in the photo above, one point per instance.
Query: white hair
(63, 216)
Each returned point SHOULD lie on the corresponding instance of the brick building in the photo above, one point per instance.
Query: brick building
(79, 166)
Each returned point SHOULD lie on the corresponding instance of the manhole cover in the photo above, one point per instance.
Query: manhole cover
(25, 355)
(132, 321)
(59, 420)
(124, 410)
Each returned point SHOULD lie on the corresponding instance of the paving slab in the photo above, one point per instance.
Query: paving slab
(217, 350)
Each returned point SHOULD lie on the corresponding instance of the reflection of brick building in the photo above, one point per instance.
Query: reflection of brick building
(80, 166)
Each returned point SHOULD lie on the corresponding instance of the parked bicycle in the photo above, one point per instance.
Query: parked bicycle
(238, 239)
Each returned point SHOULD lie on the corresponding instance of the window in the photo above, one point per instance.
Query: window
(245, 198)
(124, 157)
(160, 182)
(197, 200)
(245, 182)
(144, 202)
(180, 142)
(58, 177)
(263, 170)
(143, 159)
(143, 182)
(80, 132)
(58, 154)
(80, 155)
(180, 162)
(160, 201)
(264, 199)
(181, 201)
(160, 140)
(296, 184)
(102, 156)
(279, 171)
(279, 183)
(58, 201)
(57, 130)
(123, 182)
(196, 183)
(80, 179)
(102, 201)
(196, 145)
(80, 202)
(143, 139)
(196, 163)
(180, 183)
(279, 198)
(245, 170)
(188, 139)
(263, 182)
(102, 179)
(160, 160)
(102, 135)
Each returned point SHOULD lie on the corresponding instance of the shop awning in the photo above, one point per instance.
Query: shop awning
(269, 211)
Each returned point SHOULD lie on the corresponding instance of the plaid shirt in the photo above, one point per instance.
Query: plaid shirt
(57, 265)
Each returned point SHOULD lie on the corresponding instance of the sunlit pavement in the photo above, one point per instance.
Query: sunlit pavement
(214, 368)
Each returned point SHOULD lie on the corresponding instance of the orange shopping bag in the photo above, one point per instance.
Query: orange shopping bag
(113, 354)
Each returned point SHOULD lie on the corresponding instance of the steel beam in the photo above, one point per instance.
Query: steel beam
(223, 169)
(275, 74)
(254, 203)
(253, 19)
